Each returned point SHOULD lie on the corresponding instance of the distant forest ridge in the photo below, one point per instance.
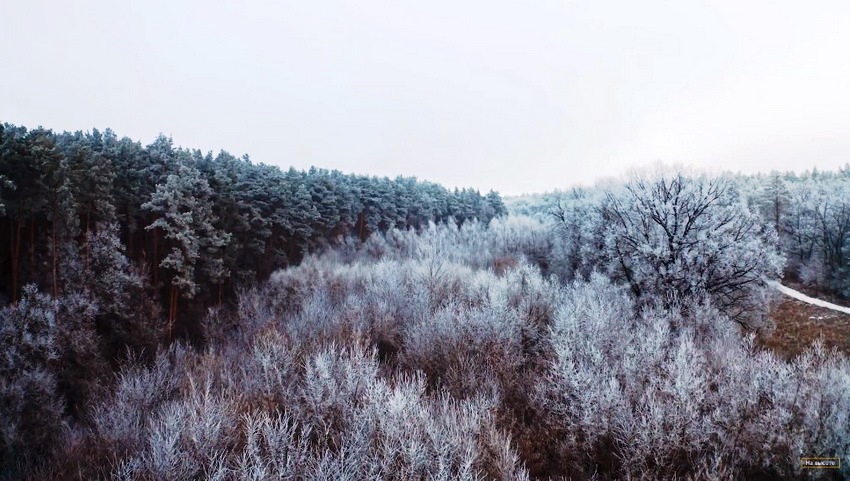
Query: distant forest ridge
(809, 212)
(195, 225)
(531, 203)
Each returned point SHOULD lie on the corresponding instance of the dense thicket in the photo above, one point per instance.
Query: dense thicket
(392, 329)
(191, 225)
(109, 248)
(446, 355)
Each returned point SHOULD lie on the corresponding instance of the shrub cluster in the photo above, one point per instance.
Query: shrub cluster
(657, 394)
(426, 359)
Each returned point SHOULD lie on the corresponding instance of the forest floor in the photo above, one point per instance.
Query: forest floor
(799, 324)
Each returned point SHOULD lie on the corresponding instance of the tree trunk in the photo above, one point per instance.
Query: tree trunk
(172, 313)
(53, 252)
(86, 256)
(130, 251)
(32, 251)
(16, 260)
(361, 219)
(154, 266)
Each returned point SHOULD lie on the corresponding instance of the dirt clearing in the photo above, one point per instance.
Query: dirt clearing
(799, 325)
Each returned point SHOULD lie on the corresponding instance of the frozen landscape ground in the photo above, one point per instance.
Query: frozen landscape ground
(807, 299)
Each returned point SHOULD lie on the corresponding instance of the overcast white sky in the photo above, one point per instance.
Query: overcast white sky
(516, 96)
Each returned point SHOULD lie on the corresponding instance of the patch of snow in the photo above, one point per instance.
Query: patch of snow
(804, 298)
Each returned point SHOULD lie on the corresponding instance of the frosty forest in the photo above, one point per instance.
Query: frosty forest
(172, 315)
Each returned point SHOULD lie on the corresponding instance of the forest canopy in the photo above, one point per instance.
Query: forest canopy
(194, 226)
(169, 315)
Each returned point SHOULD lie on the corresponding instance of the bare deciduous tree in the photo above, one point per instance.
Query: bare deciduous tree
(674, 236)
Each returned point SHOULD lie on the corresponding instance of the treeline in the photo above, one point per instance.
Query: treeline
(192, 226)
(635, 230)
(811, 214)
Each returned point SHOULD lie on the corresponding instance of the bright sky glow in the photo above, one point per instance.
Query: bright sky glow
(515, 96)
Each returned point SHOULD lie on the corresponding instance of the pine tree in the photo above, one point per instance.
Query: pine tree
(22, 162)
(494, 206)
(184, 214)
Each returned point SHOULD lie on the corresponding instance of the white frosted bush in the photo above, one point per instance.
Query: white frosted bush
(31, 409)
(666, 395)
(474, 244)
(276, 446)
(430, 363)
